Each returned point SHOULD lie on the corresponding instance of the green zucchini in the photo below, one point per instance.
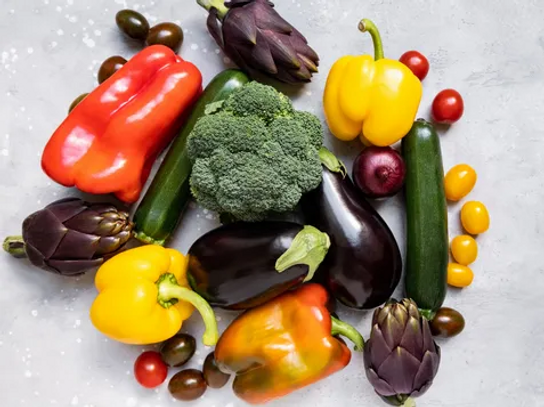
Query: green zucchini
(427, 218)
(163, 205)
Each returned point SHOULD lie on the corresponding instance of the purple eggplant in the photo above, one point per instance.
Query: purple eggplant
(364, 264)
(243, 265)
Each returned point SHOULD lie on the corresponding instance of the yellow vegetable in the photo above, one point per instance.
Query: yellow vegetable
(459, 181)
(144, 297)
(373, 98)
(459, 276)
(464, 249)
(474, 217)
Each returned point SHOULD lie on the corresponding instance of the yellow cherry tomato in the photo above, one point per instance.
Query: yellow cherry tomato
(474, 217)
(459, 181)
(464, 249)
(459, 276)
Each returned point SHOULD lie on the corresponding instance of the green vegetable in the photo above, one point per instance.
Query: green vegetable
(427, 219)
(254, 154)
(163, 205)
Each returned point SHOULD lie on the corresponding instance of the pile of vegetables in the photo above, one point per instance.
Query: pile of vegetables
(241, 149)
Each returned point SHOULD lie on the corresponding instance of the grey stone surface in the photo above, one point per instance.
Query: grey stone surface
(492, 52)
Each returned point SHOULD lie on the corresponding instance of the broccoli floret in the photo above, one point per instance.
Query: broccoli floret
(254, 154)
(258, 100)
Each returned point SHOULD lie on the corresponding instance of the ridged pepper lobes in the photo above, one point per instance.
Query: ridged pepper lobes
(109, 142)
(144, 297)
(374, 98)
(284, 345)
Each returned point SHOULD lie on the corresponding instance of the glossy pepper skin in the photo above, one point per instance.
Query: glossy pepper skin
(373, 98)
(109, 142)
(144, 297)
(284, 345)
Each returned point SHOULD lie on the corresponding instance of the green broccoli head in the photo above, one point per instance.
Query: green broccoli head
(255, 154)
(257, 100)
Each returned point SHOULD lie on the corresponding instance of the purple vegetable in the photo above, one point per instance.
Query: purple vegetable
(258, 39)
(364, 264)
(70, 236)
(379, 172)
(401, 358)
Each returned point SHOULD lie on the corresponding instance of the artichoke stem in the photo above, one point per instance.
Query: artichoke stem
(222, 10)
(15, 245)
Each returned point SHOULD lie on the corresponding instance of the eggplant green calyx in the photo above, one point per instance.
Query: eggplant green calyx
(332, 163)
(170, 293)
(401, 400)
(365, 25)
(427, 314)
(219, 5)
(15, 245)
(345, 329)
(310, 246)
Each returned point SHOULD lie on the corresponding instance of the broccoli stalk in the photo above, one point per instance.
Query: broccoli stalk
(254, 154)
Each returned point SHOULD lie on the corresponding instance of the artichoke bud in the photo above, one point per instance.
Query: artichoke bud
(259, 40)
(401, 358)
(70, 236)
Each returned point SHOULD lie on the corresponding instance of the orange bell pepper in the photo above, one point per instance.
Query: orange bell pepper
(284, 345)
(109, 142)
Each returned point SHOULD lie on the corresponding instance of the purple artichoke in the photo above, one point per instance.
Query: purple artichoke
(401, 358)
(70, 236)
(258, 39)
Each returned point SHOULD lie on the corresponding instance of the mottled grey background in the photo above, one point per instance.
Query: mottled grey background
(492, 52)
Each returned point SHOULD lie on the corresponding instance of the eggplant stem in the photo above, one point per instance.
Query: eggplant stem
(219, 5)
(15, 245)
(332, 162)
(170, 293)
(309, 247)
(345, 329)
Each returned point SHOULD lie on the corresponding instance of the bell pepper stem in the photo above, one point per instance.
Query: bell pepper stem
(332, 162)
(345, 329)
(15, 245)
(222, 10)
(309, 247)
(170, 293)
(365, 25)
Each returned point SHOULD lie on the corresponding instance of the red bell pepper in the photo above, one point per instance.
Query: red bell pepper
(109, 142)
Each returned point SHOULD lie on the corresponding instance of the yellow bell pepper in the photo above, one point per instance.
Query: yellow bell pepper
(374, 98)
(144, 297)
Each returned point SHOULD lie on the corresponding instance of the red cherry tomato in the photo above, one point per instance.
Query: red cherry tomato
(417, 63)
(149, 369)
(448, 107)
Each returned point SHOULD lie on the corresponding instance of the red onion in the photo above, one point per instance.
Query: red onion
(379, 172)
